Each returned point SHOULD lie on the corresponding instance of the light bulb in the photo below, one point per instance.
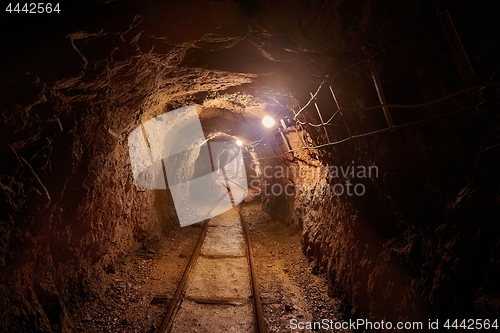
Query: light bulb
(268, 121)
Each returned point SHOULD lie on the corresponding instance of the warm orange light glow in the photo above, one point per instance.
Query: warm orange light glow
(268, 121)
(239, 143)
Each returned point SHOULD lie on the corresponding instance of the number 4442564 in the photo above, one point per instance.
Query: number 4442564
(33, 8)
(472, 324)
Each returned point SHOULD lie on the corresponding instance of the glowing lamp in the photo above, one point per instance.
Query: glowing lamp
(268, 122)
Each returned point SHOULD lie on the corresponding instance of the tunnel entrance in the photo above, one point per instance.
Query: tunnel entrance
(90, 236)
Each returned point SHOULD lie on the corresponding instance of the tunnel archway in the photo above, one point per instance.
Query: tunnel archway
(409, 87)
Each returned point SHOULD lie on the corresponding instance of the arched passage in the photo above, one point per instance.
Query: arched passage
(408, 87)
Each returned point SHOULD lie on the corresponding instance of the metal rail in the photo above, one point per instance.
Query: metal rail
(385, 106)
(255, 287)
(472, 92)
(393, 128)
(167, 321)
(399, 106)
(176, 300)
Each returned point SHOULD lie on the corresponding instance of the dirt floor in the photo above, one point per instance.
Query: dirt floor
(139, 287)
(288, 288)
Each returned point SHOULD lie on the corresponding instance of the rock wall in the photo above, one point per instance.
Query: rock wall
(69, 207)
(419, 238)
(422, 241)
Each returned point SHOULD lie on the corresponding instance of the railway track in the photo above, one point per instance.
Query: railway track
(218, 291)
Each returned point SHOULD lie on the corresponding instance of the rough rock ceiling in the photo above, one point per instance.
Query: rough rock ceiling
(75, 89)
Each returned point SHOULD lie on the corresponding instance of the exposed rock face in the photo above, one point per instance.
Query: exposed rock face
(421, 242)
(400, 256)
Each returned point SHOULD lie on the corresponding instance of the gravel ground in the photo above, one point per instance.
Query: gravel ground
(289, 291)
(154, 270)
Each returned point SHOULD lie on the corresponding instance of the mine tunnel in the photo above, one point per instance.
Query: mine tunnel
(330, 166)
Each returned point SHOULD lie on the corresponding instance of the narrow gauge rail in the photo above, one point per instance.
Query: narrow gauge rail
(180, 293)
